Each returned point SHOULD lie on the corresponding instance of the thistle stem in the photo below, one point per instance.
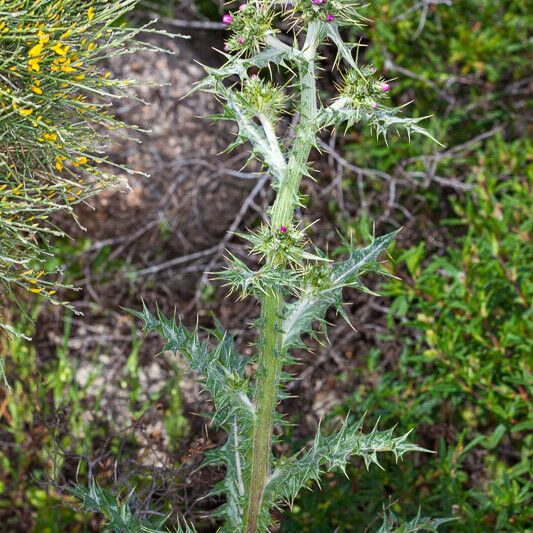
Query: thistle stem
(271, 356)
(265, 398)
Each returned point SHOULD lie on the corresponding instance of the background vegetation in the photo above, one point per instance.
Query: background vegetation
(449, 355)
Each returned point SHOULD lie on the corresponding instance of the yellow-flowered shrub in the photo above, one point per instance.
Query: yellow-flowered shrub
(54, 121)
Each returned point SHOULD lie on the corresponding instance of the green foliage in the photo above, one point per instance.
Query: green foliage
(51, 419)
(40, 394)
(54, 123)
(117, 513)
(472, 309)
(464, 374)
(464, 63)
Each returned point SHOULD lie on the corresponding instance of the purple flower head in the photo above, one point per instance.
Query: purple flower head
(374, 105)
(240, 40)
(385, 87)
(331, 264)
(242, 7)
(330, 17)
(227, 19)
(283, 229)
(317, 2)
(253, 76)
(226, 48)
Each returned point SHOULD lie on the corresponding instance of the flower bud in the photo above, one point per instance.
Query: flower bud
(227, 19)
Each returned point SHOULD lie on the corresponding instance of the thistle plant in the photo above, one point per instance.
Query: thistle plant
(54, 123)
(296, 282)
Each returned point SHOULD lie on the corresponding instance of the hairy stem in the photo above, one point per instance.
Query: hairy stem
(287, 198)
(265, 397)
(271, 356)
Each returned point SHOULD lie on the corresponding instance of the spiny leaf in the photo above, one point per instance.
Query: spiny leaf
(118, 513)
(249, 131)
(344, 50)
(419, 523)
(239, 66)
(220, 368)
(313, 304)
(233, 455)
(333, 452)
(382, 119)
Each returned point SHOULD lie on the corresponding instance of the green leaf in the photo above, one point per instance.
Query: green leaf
(381, 120)
(221, 370)
(419, 523)
(496, 437)
(333, 452)
(311, 307)
(118, 513)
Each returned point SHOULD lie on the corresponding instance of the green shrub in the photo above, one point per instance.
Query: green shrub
(54, 123)
(469, 365)
(464, 375)
(472, 76)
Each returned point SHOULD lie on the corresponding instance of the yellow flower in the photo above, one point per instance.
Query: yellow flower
(59, 49)
(65, 67)
(80, 161)
(36, 50)
(90, 13)
(43, 38)
(25, 112)
(59, 162)
(33, 64)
